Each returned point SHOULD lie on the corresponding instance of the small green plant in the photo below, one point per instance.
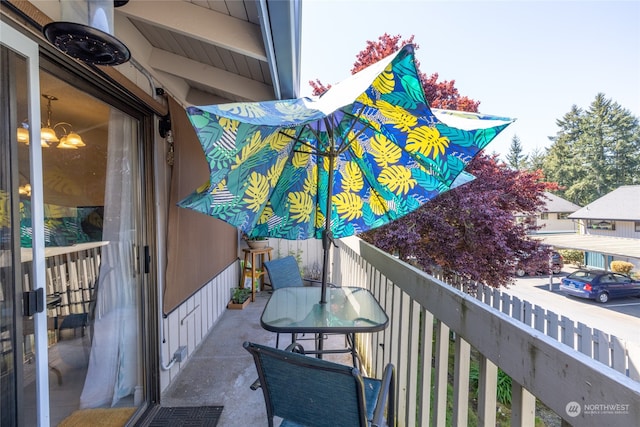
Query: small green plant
(298, 256)
(503, 386)
(246, 238)
(240, 295)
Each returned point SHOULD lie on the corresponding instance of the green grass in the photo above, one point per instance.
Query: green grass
(503, 414)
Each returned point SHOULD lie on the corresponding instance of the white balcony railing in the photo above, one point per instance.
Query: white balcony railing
(424, 310)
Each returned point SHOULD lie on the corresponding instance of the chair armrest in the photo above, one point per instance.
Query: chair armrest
(294, 347)
(387, 394)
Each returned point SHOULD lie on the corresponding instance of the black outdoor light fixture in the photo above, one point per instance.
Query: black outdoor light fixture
(85, 32)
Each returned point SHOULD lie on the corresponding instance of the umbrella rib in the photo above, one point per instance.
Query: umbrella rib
(314, 150)
(297, 139)
(356, 119)
(330, 134)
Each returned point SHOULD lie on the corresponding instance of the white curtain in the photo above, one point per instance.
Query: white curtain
(114, 360)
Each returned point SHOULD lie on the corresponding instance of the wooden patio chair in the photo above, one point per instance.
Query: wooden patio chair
(306, 391)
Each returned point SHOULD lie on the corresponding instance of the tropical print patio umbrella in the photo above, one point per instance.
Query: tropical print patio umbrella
(365, 153)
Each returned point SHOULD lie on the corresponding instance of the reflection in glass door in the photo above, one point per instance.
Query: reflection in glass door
(92, 211)
(8, 380)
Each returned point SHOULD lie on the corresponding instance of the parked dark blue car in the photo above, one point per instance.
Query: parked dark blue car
(600, 285)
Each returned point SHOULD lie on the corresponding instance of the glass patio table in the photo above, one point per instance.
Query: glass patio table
(349, 310)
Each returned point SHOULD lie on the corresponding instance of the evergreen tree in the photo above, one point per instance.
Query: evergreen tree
(535, 160)
(595, 151)
(515, 159)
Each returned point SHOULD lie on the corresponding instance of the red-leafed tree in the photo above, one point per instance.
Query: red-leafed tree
(470, 231)
(439, 94)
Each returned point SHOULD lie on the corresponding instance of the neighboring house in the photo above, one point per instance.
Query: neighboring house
(608, 229)
(554, 218)
(615, 214)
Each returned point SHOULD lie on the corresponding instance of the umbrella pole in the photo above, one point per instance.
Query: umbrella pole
(327, 236)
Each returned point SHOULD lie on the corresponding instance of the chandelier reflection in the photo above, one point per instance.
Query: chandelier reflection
(49, 133)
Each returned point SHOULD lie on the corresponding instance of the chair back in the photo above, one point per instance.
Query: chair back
(284, 272)
(309, 391)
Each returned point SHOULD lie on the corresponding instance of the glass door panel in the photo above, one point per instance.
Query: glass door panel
(92, 211)
(8, 274)
(18, 78)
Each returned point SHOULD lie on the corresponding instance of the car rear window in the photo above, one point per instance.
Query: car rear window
(582, 275)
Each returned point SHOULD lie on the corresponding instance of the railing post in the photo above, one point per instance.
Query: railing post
(440, 377)
(427, 356)
(400, 354)
(523, 406)
(633, 357)
(618, 355)
(585, 340)
(552, 325)
(517, 310)
(487, 387)
(506, 304)
(461, 382)
(601, 351)
(567, 331)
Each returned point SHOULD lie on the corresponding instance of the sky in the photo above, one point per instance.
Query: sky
(529, 60)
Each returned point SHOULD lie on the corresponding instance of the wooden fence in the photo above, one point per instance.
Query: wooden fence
(562, 378)
(614, 352)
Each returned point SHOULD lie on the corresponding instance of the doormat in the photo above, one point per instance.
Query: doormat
(99, 417)
(192, 416)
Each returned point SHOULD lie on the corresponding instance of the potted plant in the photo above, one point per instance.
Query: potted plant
(256, 242)
(239, 298)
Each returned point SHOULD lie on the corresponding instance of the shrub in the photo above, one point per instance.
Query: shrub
(503, 385)
(621, 267)
(572, 256)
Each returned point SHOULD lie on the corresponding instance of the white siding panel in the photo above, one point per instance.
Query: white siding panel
(190, 323)
(199, 322)
(623, 229)
(173, 339)
(626, 229)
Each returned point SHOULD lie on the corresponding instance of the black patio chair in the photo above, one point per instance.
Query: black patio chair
(306, 391)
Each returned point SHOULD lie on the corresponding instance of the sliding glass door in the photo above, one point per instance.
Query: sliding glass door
(71, 233)
(19, 101)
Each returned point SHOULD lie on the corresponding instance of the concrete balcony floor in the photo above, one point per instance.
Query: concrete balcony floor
(220, 371)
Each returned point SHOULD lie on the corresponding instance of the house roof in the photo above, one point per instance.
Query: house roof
(555, 204)
(618, 246)
(558, 204)
(622, 204)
